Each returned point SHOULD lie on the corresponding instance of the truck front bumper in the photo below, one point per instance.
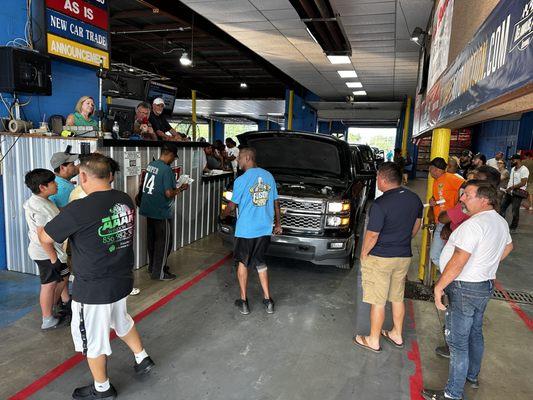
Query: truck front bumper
(318, 250)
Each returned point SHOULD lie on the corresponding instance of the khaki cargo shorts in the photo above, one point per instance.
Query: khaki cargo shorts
(384, 279)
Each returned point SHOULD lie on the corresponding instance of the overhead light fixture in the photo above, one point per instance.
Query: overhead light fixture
(354, 84)
(243, 85)
(419, 36)
(221, 113)
(247, 113)
(339, 59)
(347, 74)
(359, 93)
(275, 114)
(312, 36)
(185, 60)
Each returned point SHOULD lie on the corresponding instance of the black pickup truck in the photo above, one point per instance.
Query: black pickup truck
(320, 192)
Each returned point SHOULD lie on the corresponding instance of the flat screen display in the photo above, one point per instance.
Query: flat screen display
(167, 93)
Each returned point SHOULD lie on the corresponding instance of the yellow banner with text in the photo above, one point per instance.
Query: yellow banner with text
(71, 50)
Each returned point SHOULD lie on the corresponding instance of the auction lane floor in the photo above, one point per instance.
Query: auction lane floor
(205, 349)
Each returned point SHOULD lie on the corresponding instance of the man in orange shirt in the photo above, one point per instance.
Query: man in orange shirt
(445, 188)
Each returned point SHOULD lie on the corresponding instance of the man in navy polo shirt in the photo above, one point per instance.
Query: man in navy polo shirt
(394, 219)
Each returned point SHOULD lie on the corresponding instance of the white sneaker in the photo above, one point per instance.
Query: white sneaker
(135, 291)
(49, 323)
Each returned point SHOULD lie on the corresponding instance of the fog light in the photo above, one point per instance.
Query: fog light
(336, 245)
(345, 221)
(223, 206)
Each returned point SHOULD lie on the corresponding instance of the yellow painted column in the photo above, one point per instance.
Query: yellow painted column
(291, 106)
(193, 99)
(440, 147)
(405, 134)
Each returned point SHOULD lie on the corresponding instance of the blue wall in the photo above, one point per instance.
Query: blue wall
(497, 135)
(525, 132)
(69, 81)
(264, 125)
(218, 131)
(304, 117)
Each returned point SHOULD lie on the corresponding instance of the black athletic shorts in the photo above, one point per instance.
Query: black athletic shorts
(251, 252)
(51, 272)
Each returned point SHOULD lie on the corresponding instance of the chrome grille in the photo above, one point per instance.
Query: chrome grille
(310, 206)
(301, 222)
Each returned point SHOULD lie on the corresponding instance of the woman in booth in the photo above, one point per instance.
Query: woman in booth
(83, 116)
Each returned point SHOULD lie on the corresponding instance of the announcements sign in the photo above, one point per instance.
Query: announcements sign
(71, 50)
(440, 40)
(76, 30)
(495, 62)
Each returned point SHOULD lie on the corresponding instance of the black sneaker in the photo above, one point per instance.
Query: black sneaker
(167, 276)
(474, 383)
(89, 392)
(443, 351)
(429, 394)
(269, 305)
(242, 305)
(144, 367)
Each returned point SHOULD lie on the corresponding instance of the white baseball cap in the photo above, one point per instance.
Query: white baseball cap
(158, 100)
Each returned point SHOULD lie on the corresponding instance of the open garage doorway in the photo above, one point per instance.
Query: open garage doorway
(382, 138)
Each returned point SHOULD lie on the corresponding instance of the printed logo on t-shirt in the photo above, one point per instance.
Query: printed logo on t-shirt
(260, 193)
(118, 228)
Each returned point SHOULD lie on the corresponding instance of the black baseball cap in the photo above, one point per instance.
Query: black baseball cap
(516, 157)
(439, 162)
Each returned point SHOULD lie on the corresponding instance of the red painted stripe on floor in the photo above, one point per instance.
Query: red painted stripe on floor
(516, 308)
(416, 383)
(70, 363)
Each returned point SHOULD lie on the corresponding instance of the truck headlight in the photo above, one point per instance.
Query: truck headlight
(227, 194)
(337, 207)
(337, 221)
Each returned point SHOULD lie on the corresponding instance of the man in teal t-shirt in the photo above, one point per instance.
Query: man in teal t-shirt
(256, 196)
(157, 200)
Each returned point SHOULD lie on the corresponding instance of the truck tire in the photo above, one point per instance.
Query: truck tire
(350, 263)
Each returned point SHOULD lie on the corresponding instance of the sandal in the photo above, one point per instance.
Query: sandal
(365, 345)
(385, 334)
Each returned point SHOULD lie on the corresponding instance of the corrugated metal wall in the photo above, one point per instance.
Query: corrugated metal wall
(497, 135)
(26, 154)
(196, 209)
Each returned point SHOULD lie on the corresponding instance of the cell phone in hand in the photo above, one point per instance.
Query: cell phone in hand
(445, 300)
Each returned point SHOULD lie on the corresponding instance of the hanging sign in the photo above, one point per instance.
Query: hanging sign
(496, 62)
(82, 10)
(74, 51)
(73, 29)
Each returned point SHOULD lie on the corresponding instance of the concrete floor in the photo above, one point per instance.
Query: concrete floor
(204, 349)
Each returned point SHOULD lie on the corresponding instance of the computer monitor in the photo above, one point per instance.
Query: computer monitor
(166, 92)
(125, 116)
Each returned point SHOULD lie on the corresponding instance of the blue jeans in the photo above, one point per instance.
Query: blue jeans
(436, 245)
(464, 332)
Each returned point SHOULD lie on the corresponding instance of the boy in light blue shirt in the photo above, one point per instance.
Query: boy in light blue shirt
(256, 196)
(65, 169)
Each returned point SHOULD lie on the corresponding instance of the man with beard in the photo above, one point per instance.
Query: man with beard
(159, 122)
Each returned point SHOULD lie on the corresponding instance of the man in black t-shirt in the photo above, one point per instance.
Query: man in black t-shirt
(394, 219)
(100, 229)
(159, 122)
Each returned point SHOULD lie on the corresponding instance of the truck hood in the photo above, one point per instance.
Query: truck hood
(300, 153)
(310, 190)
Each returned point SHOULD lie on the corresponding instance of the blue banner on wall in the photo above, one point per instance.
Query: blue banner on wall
(77, 31)
(497, 61)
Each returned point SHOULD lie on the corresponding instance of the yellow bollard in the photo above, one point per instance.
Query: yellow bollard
(405, 134)
(440, 147)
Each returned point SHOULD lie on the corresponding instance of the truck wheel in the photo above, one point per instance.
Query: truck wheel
(350, 263)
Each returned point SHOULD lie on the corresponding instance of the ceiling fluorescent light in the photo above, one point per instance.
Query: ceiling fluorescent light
(339, 59)
(354, 84)
(312, 37)
(347, 74)
(185, 60)
(275, 114)
(221, 113)
(359, 93)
